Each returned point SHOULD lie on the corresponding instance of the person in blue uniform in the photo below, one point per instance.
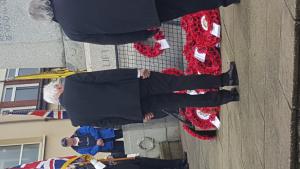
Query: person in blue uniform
(91, 140)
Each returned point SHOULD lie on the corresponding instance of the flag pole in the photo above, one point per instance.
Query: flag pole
(116, 159)
(88, 158)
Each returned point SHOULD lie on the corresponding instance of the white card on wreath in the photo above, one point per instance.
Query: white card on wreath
(199, 56)
(216, 31)
(163, 44)
(202, 115)
(192, 92)
(216, 122)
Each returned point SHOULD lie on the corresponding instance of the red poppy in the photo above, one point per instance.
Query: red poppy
(151, 51)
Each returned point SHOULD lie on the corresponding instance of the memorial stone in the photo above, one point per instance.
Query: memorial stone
(28, 43)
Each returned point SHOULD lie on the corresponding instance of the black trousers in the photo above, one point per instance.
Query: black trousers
(145, 163)
(172, 9)
(157, 92)
(118, 133)
(141, 163)
(118, 148)
(153, 163)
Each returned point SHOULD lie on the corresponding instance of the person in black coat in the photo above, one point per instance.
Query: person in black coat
(115, 21)
(112, 98)
(138, 163)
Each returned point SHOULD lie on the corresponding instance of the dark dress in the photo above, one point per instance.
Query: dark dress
(121, 21)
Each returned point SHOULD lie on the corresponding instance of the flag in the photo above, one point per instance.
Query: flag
(52, 163)
(41, 113)
(65, 162)
(55, 74)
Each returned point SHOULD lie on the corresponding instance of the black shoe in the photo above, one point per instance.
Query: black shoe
(186, 166)
(235, 94)
(233, 78)
(184, 160)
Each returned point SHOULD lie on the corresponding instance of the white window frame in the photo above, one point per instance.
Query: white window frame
(14, 87)
(41, 148)
(17, 108)
(16, 72)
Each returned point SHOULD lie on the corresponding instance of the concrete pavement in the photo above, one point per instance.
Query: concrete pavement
(259, 132)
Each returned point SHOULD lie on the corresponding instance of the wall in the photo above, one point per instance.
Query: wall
(25, 43)
(2, 77)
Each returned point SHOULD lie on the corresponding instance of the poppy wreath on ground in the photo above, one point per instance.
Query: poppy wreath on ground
(188, 50)
(151, 51)
(173, 71)
(202, 35)
(204, 123)
(202, 135)
(211, 64)
(203, 27)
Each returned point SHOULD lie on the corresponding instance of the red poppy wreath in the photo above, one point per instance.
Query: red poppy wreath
(153, 51)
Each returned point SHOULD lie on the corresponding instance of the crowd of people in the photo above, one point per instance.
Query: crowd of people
(100, 102)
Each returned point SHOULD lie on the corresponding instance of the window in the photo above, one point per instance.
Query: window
(26, 93)
(13, 155)
(20, 92)
(11, 73)
(28, 71)
(18, 109)
(8, 94)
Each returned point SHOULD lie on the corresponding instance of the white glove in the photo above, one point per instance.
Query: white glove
(97, 164)
(133, 155)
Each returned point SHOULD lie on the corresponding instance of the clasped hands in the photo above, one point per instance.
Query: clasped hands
(144, 73)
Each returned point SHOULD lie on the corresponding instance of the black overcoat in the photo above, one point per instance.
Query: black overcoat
(122, 21)
(104, 98)
(106, 21)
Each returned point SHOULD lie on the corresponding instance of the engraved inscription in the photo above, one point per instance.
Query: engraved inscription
(105, 59)
(5, 22)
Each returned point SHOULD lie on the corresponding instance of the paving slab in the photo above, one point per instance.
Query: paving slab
(262, 38)
(294, 8)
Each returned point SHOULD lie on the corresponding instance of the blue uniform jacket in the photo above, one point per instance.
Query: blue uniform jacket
(96, 133)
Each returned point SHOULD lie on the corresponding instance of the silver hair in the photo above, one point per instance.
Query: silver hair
(51, 93)
(40, 10)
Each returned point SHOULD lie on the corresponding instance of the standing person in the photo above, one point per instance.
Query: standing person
(111, 98)
(90, 140)
(135, 163)
(115, 21)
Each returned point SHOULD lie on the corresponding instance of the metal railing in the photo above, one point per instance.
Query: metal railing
(128, 57)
